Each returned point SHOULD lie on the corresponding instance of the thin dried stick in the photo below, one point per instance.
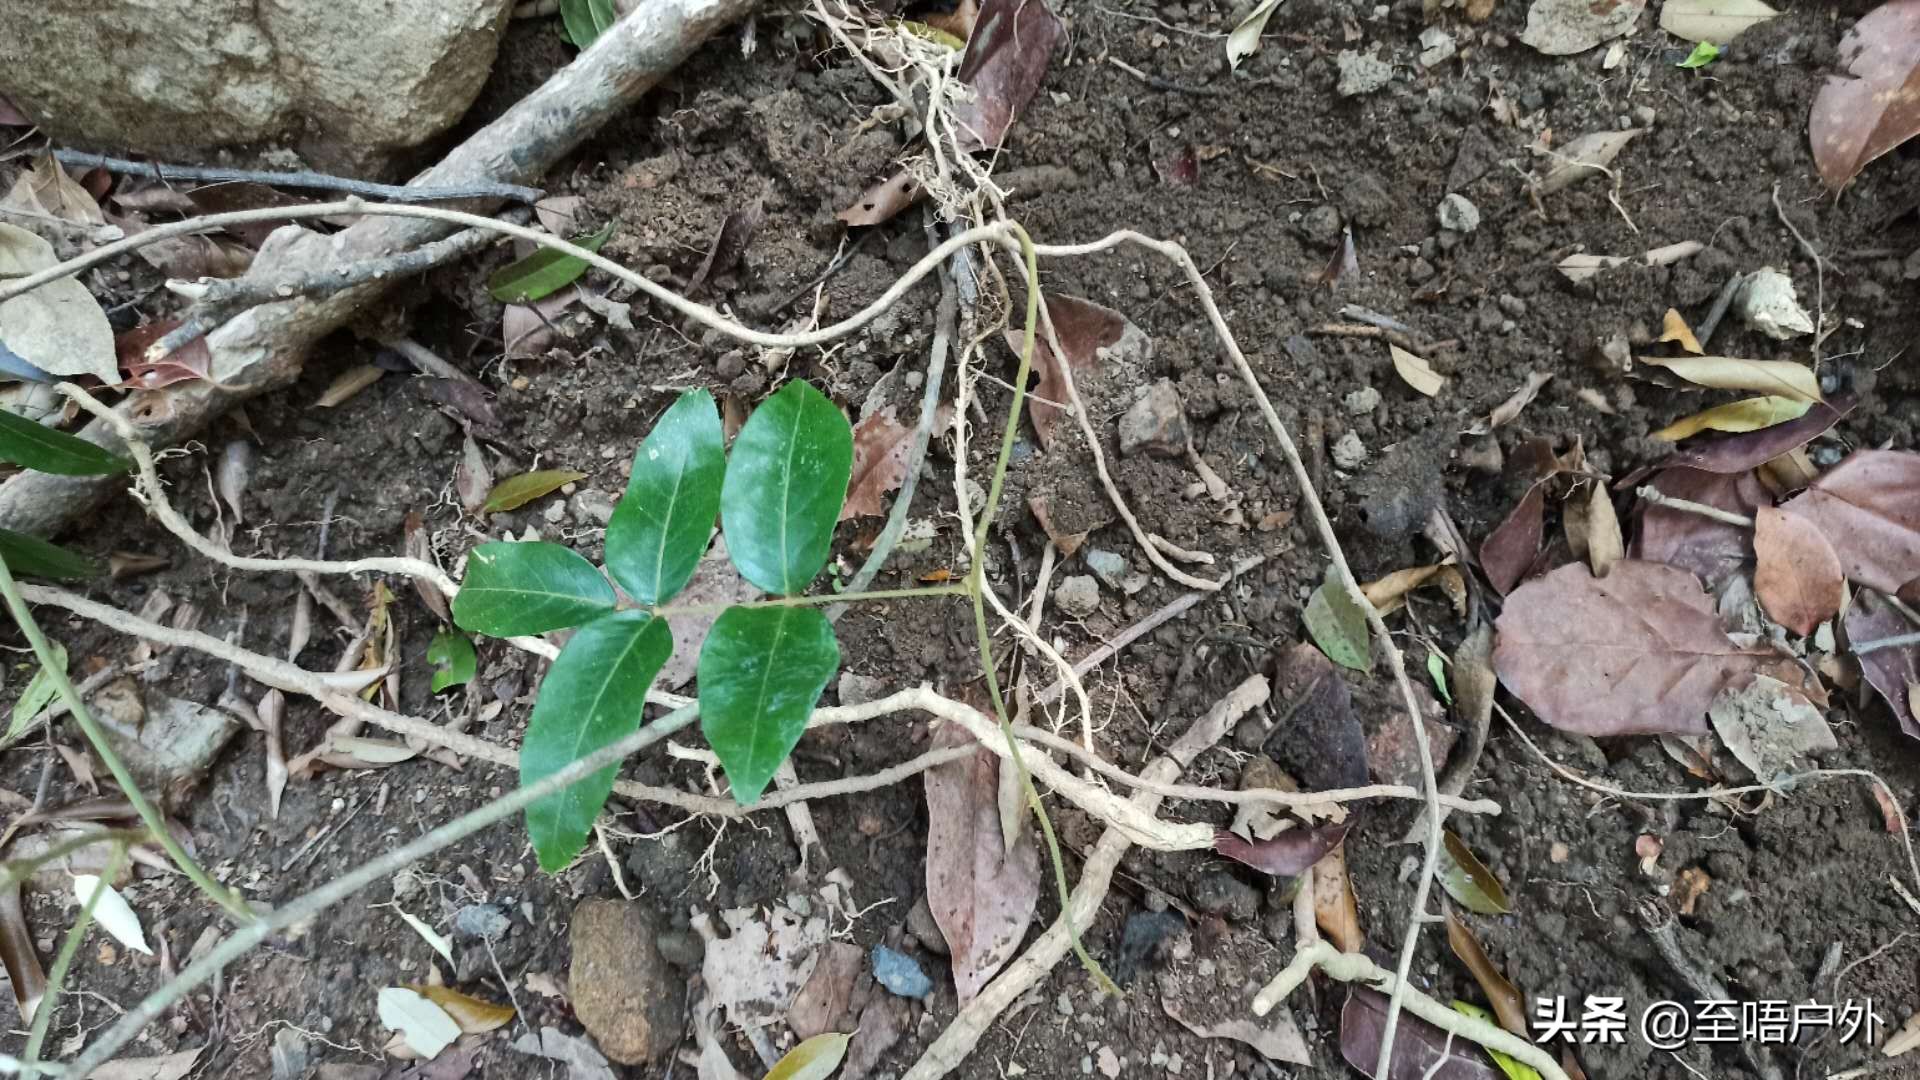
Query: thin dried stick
(307, 181)
(1657, 497)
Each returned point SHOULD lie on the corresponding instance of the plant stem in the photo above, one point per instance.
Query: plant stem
(10, 590)
(43, 1016)
(15, 871)
(929, 592)
(976, 585)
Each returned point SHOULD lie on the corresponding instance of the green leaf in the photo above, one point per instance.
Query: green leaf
(761, 671)
(38, 695)
(785, 482)
(591, 699)
(1704, 53)
(39, 447)
(517, 491)
(586, 20)
(1514, 1068)
(451, 654)
(544, 272)
(814, 1059)
(30, 556)
(1338, 625)
(528, 588)
(661, 526)
(1468, 880)
(1437, 670)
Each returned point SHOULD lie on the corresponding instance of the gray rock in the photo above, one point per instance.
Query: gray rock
(1458, 213)
(1218, 892)
(168, 743)
(860, 689)
(1322, 223)
(897, 972)
(921, 925)
(288, 1054)
(1436, 46)
(1349, 453)
(624, 993)
(1361, 73)
(1110, 568)
(345, 85)
(1077, 595)
(683, 949)
(484, 921)
(591, 506)
(1362, 401)
(1156, 424)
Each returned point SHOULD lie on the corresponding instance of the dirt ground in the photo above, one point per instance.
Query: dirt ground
(1279, 161)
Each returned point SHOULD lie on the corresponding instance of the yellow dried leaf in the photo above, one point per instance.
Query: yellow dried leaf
(1675, 329)
(1415, 372)
(472, 1014)
(1750, 414)
(1779, 377)
(1334, 907)
(517, 491)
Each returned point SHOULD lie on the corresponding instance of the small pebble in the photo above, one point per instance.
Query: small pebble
(897, 972)
(1349, 453)
(1362, 401)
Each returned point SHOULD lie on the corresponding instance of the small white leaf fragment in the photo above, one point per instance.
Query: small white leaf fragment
(1245, 39)
(1767, 303)
(427, 1026)
(1416, 372)
(1717, 21)
(59, 327)
(440, 944)
(1588, 155)
(112, 912)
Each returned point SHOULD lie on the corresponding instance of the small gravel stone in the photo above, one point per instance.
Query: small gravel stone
(623, 992)
(1109, 567)
(1513, 306)
(1361, 73)
(1349, 453)
(1322, 223)
(1077, 595)
(592, 505)
(482, 921)
(1064, 1003)
(1362, 401)
(1436, 46)
(921, 925)
(860, 689)
(1458, 213)
(1156, 423)
(897, 972)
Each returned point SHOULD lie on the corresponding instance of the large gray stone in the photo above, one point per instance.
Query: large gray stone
(345, 84)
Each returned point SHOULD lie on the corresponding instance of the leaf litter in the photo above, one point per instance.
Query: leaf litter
(1875, 106)
(880, 448)
(982, 892)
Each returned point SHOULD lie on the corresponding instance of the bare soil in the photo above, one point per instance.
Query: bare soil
(1281, 161)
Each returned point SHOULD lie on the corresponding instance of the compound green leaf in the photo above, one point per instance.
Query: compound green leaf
(591, 699)
(528, 588)
(30, 556)
(761, 671)
(660, 529)
(454, 663)
(544, 272)
(39, 447)
(785, 482)
(1338, 625)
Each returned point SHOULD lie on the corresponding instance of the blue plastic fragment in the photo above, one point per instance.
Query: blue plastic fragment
(897, 972)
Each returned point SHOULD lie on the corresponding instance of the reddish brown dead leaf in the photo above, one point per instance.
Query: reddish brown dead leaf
(880, 447)
(1797, 580)
(1334, 907)
(823, 1001)
(1640, 652)
(1005, 61)
(1876, 106)
(1084, 328)
(1711, 549)
(730, 242)
(528, 329)
(1507, 1003)
(883, 201)
(1891, 672)
(29, 979)
(1288, 854)
(1511, 549)
(1889, 811)
(1421, 1051)
(1869, 508)
(1749, 450)
(188, 362)
(981, 891)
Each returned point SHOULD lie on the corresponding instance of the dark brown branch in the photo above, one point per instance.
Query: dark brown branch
(305, 181)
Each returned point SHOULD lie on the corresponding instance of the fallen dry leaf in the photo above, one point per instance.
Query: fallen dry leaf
(1415, 372)
(1421, 1051)
(1005, 61)
(1770, 727)
(165, 1067)
(1506, 411)
(1582, 266)
(1593, 529)
(1752, 414)
(1084, 328)
(1507, 1003)
(982, 893)
(1716, 21)
(1687, 889)
(1640, 652)
(1695, 543)
(471, 1013)
(1468, 880)
(823, 1001)
(1782, 378)
(1674, 328)
(1875, 107)
(880, 447)
(1588, 155)
(1334, 906)
(1288, 853)
(1274, 1036)
(883, 201)
(190, 361)
(760, 966)
(1892, 672)
(1345, 260)
(17, 953)
(45, 188)
(1797, 579)
(1390, 592)
(1750, 450)
(1868, 509)
(729, 242)
(1510, 550)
